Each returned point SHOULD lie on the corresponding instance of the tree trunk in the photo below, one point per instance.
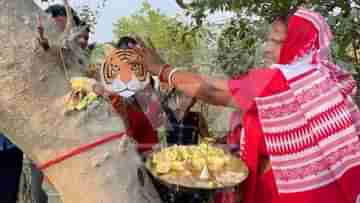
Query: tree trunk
(33, 85)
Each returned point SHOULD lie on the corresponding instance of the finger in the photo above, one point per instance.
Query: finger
(130, 54)
(131, 45)
(129, 59)
(128, 51)
(139, 50)
(126, 54)
(132, 61)
(126, 58)
(138, 39)
(134, 51)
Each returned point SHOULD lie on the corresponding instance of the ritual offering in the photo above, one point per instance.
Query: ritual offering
(81, 95)
(197, 166)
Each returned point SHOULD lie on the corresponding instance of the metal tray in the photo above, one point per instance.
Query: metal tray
(234, 173)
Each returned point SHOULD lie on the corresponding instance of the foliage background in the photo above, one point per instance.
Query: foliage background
(240, 40)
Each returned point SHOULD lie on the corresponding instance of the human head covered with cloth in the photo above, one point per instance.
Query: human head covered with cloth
(310, 127)
(308, 40)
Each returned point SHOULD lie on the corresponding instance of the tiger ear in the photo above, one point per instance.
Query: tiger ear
(108, 49)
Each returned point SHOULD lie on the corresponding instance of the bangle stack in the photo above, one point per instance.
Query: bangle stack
(170, 76)
(162, 72)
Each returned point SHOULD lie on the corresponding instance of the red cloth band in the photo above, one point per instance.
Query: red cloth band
(81, 149)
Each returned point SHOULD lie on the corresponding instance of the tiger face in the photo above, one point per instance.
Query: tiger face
(123, 78)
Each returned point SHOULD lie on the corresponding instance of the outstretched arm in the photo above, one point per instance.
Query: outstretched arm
(210, 90)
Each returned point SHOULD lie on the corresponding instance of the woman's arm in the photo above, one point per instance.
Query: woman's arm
(213, 91)
(210, 90)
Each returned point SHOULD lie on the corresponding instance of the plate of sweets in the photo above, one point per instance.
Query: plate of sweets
(203, 166)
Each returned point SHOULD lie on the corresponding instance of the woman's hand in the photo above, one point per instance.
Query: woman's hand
(140, 54)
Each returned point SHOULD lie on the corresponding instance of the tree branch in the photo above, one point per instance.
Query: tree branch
(182, 4)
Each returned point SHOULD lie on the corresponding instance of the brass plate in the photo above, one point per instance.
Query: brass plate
(233, 173)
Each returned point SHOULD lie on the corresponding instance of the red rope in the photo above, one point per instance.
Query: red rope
(79, 150)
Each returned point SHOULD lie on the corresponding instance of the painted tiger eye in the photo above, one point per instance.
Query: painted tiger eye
(139, 72)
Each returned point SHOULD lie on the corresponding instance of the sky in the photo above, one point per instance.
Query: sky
(116, 9)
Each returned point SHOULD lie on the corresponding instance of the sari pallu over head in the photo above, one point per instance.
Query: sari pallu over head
(310, 130)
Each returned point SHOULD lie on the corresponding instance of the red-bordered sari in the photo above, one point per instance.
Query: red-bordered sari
(300, 114)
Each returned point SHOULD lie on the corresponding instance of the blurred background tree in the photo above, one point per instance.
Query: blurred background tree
(240, 39)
